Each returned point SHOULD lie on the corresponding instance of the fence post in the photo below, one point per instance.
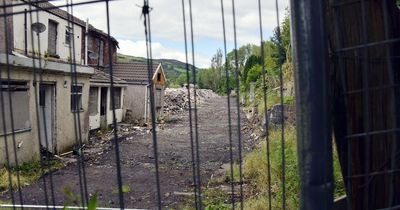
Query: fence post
(314, 133)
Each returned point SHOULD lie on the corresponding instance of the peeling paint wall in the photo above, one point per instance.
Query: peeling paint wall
(62, 49)
(135, 98)
(94, 118)
(64, 132)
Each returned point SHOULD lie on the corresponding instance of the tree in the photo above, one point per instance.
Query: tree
(254, 74)
(281, 41)
(250, 62)
(217, 68)
(181, 80)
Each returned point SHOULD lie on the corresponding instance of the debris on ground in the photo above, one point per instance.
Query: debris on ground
(176, 99)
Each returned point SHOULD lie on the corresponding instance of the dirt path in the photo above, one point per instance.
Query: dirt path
(137, 161)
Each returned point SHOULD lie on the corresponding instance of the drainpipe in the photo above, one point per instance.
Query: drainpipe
(314, 131)
(86, 41)
(26, 31)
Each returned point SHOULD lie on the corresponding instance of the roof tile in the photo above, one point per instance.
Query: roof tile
(133, 71)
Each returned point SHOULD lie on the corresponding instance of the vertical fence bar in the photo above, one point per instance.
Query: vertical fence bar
(312, 100)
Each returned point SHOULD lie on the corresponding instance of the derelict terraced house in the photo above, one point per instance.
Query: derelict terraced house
(100, 112)
(100, 107)
(137, 94)
(59, 99)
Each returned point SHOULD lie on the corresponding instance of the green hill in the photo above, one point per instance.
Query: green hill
(173, 68)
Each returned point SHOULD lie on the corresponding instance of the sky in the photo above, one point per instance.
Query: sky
(166, 16)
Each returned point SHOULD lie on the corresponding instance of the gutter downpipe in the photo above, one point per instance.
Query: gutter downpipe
(26, 31)
(86, 41)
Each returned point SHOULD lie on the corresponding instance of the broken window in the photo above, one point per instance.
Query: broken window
(68, 36)
(90, 44)
(117, 98)
(159, 77)
(93, 100)
(76, 98)
(19, 92)
(101, 50)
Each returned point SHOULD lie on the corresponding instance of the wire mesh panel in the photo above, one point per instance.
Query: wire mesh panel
(363, 37)
(80, 128)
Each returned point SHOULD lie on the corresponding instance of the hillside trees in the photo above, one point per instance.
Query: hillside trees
(249, 60)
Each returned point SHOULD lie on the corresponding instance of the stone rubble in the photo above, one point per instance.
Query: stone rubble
(177, 100)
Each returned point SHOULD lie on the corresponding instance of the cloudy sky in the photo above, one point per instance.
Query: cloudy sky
(167, 25)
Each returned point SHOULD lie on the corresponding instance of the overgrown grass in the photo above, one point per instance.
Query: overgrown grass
(255, 169)
(273, 98)
(255, 174)
(28, 173)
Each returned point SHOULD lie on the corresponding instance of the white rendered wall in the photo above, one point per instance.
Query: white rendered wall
(62, 49)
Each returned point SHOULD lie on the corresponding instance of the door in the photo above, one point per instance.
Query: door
(52, 48)
(47, 117)
(103, 107)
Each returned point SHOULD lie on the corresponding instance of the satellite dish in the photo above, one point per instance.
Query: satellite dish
(38, 27)
(93, 55)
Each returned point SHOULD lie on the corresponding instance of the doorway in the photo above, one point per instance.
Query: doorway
(47, 116)
(103, 107)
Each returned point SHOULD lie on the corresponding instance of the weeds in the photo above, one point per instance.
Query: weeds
(255, 173)
(125, 189)
(28, 173)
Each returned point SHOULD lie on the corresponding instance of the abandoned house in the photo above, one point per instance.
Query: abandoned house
(98, 48)
(137, 94)
(100, 105)
(61, 102)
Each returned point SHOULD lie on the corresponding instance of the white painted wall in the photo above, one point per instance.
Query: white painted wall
(63, 50)
(94, 120)
(118, 112)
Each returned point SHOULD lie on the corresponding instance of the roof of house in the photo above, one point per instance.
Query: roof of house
(133, 72)
(103, 77)
(47, 6)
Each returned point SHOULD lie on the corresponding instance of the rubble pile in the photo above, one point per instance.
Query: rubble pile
(176, 99)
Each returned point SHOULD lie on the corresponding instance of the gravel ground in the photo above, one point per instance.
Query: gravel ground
(137, 162)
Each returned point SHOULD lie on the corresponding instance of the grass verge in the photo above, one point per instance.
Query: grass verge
(29, 173)
(255, 176)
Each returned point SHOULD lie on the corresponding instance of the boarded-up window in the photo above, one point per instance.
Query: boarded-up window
(117, 98)
(52, 48)
(76, 98)
(93, 101)
(158, 98)
(20, 106)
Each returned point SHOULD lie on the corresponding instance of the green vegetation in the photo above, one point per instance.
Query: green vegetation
(74, 199)
(92, 204)
(125, 189)
(255, 176)
(28, 173)
(277, 59)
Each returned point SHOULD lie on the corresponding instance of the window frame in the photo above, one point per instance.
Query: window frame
(15, 86)
(80, 97)
(69, 35)
(101, 52)
(120, 98)
(159, 77)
